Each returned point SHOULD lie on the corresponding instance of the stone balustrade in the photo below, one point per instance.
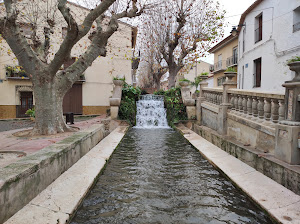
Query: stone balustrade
(258, 106)
(213, 95)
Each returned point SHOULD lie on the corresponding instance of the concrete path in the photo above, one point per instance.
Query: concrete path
(278, 201)
(29, 145)
(59, 200)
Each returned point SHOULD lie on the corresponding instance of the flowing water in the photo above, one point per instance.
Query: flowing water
(156, 176)
(151, 112)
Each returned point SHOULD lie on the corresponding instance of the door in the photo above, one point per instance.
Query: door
(26, 103)
(73, 100)
(257, 72)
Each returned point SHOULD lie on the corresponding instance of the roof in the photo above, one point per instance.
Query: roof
(243, 16)
(223, 43)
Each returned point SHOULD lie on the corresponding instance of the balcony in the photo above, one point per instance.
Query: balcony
(296, 27)
(232, 61)
(217, 67)
(16, 73)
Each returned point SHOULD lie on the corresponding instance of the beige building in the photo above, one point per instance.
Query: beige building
(196, 70)
(91, 94)
(225, 55)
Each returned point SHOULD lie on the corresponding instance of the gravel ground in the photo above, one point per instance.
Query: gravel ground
(18, 124)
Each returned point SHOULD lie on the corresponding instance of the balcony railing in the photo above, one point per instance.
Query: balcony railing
(296, 27)
(231, 61)
(219, 66)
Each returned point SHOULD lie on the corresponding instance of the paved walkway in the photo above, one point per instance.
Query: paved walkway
(27, 145)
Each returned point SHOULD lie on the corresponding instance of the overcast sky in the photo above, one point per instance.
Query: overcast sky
(234, 9)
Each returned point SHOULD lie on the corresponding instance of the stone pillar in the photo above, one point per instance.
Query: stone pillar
(115, 101)
(187, 100)
(225, 105)
(200, 100)
(287, 145)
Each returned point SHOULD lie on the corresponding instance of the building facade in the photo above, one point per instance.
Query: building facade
(90, 95)
(225, 55)
(268, 36)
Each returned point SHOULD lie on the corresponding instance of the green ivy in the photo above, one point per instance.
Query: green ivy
(127, 109)
(176, 111)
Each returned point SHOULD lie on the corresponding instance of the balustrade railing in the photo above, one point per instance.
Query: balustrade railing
(213, 95)
(258, 106)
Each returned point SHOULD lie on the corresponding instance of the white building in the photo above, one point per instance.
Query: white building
(269, 35)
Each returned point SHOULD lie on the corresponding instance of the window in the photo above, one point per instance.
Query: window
(257, 73)
(234, 56)
(219, 64)
(244, 42)
(296, 21)
(258, 28)
(221, 80)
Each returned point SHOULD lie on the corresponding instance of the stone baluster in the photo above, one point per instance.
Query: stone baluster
(236, 103)
(240, 103)
(244, 103)
(260, 107)
(232, 96)
(275, 110)
(220, 98)
(249, 105)
(281, 110)
(215, 98)
(267, 109)
(254, 107)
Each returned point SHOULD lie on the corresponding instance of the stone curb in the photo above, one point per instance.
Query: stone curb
(279, 202)
(59, 201)
(23, 180)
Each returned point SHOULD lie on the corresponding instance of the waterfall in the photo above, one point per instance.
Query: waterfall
(151, 112)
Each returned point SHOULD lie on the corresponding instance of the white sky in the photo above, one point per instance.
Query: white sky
(234, 10)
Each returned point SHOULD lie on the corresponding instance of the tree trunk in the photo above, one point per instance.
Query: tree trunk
(48, 109)
(172, 77)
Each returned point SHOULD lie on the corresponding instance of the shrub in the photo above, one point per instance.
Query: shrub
(127, 109)
(30, 112)
(294, 59)
(176, 110)
(230, 69)
(118, 78)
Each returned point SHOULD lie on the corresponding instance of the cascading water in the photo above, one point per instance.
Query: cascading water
(151, 112)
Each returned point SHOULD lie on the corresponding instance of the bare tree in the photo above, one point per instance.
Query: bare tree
(183, 30)
(43, 62)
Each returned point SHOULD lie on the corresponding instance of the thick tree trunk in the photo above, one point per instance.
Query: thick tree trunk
(48, 107)
(172, 77)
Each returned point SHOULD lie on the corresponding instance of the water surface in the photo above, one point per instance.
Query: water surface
(156, 176)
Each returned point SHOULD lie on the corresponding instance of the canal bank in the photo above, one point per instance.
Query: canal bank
(279, 202)
(60, 199)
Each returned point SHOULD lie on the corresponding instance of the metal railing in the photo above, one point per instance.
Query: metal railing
(220, 65)
(231, 61)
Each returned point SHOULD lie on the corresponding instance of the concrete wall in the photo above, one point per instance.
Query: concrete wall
(279, 43)
(22, 181)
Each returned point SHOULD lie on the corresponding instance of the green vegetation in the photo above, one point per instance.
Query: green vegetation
(31, 112)
(230, 69)
(184, 80)
(118, 78)
(204, 74)
(173, 102)
(127, 109)
(294, 59)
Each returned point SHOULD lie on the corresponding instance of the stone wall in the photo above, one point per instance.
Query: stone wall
(283, 173)
(22, 181)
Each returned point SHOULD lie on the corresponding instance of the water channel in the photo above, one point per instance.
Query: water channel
(156, 176)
